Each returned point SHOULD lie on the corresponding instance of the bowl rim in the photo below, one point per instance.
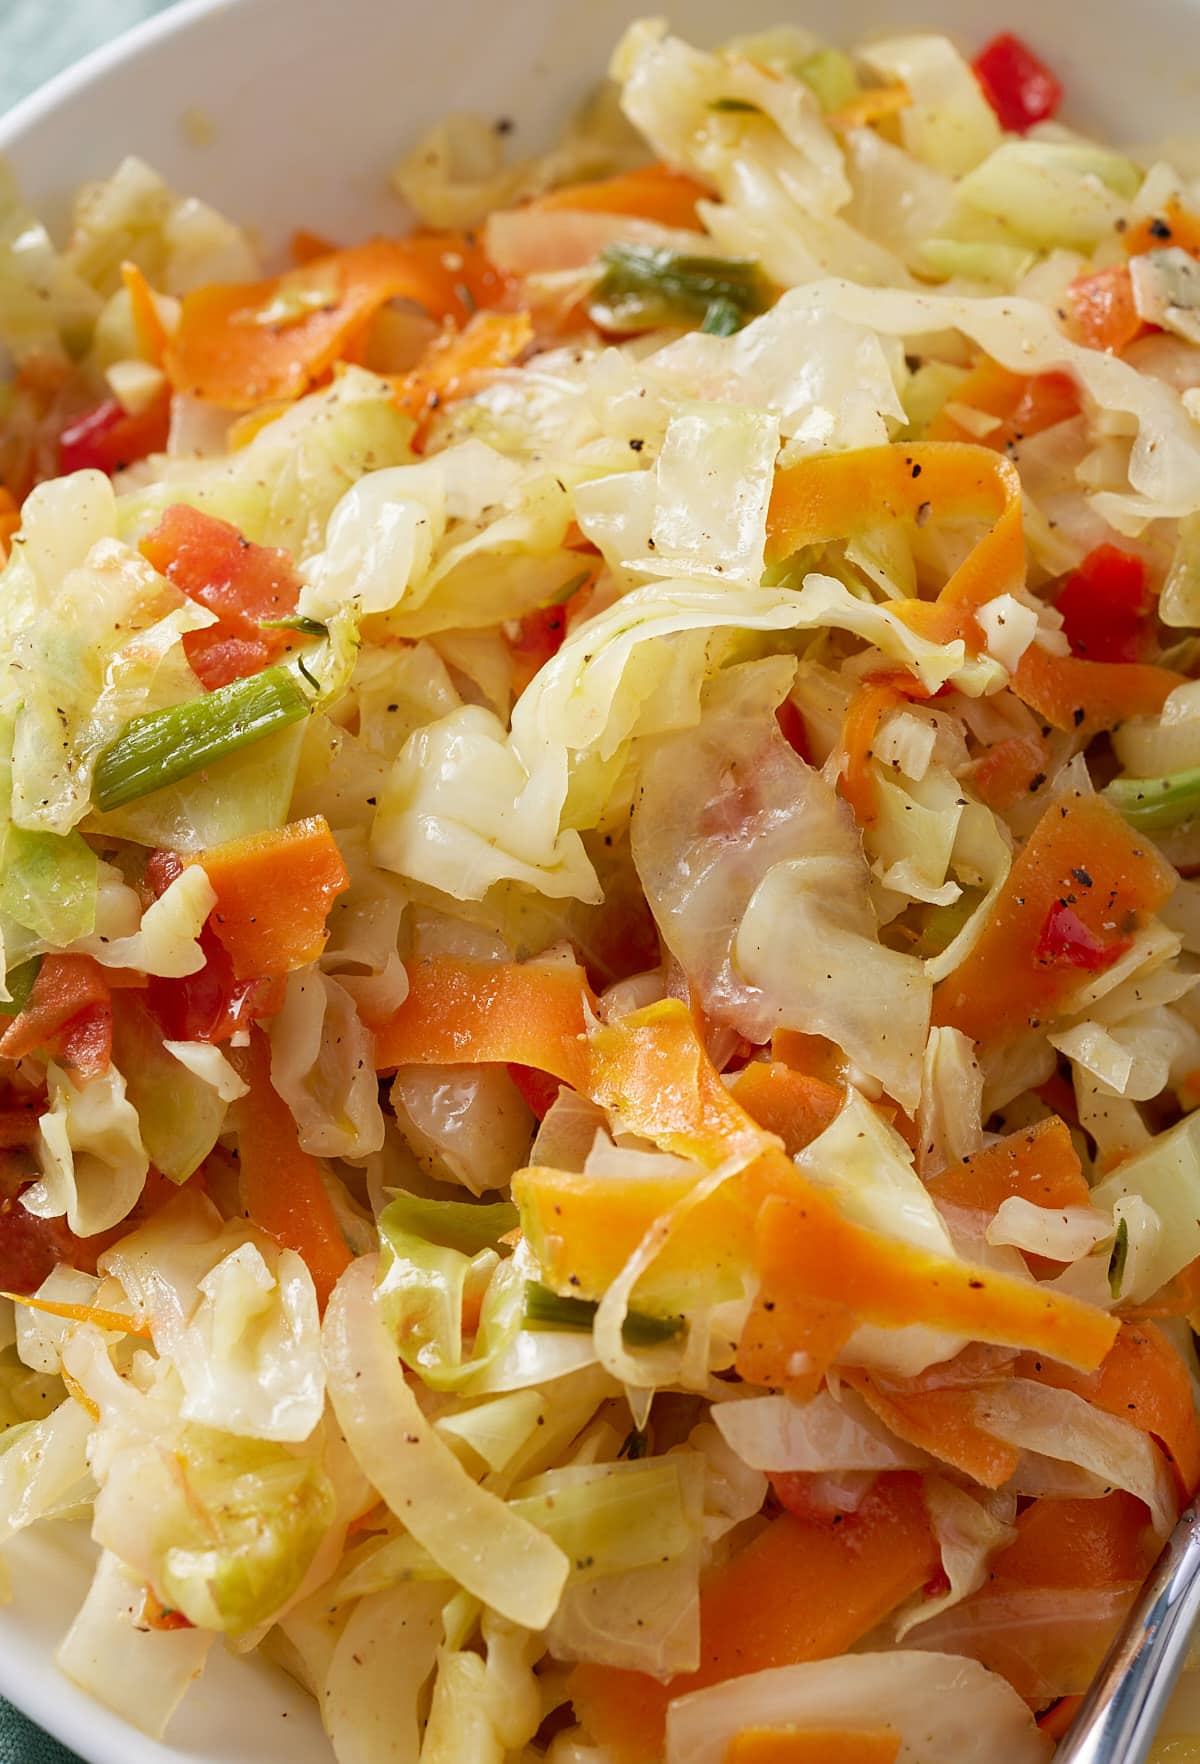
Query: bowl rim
(127, 46)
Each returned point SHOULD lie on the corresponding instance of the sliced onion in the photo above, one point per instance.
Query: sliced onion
(775, 1433)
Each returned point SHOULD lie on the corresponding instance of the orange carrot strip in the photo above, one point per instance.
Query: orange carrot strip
(1024, 405)
(454, 362)
(813, 1745)
(1081, 857)
(941, 1422)
(1142, 1380)
(96, 1314)
(244, 344)
(833, 496)
(1039, 1164)
(10, 521)
(804, 1589)
(274, 891)
(460, 1011)
(785, 1102)
(1088, 696)
(1182, 229)
(281, 1185)
(866, 710)
(147, 320)
(305, 246)
(652, 193)
(1103, 309)
(1005, 772)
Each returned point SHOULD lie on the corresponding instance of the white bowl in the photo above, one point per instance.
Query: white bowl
(310, 102)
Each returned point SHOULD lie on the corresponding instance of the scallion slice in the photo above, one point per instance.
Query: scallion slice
(545, 1309)
(165, 746)
(1153, 805)
(643, 287)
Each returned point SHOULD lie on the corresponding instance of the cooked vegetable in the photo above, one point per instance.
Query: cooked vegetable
(642, 288)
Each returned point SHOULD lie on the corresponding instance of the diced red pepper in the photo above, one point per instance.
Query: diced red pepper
(1105, 606)
(212, 1004)
(107, 438)
(242, 583)
(1017, 84)
(1065, 938)
(540, 633)
(539, 1089)
(68, 1015)
(30, 1248)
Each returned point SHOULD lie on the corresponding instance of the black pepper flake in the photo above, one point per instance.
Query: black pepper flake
(1036, 782)
(1081, 876)
(1078, 715)
(1160, 229)
(637, 444)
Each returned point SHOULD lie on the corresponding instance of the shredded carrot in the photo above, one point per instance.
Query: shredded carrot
(651, 193)
(305, 246)
(785, 1102)
(1022, 404)
(96, 1314)
(870, 106)
(1154, 232)
(877, 695)
(812, 1054)
(813, 1745)
(489, 1012)
(1144, 1381)
(1081, 858)
(832, 496)
(804, 1589)
(941, 1422)
(274, 891)
(1088, 696)
(457, 362)
(1038, 1163)
(76, 1391)
(281, 1185)
(239, 345)
(147, 320)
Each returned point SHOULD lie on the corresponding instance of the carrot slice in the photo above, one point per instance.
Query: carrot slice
(281, 1185)
(804, 1589)
(785, 1102)
(1176, 226)
(1103, 309)
(244, 344)
(1039, 1164)
(274, 891)
(941, 1422)
(456, 362)
(652, 193)
(1023, 404)
(1142, 1380)
(1088, 696)
(147, 320)
(489, 1012)
(813, 1745)
(832, 496)
(1081, 859)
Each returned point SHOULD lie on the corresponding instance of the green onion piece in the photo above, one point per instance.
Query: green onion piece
(643, 287)
(1116, 1262)
(722, 319)
(942, 924)
(568, 588)
(739, 106)
(545, 1309)
(1154, 804)
(164, 746)
(295, 622)
(831, 75)
(20, 985)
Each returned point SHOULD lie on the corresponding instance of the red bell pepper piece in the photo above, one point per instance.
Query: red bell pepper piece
(1065, 938)
(1017, 84)
(68, 1014)
(209, 560)
(1105, 606)
(1104, 310)
(212, 1004)
(107, 438)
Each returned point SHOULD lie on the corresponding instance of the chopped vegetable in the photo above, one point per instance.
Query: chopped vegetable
(274, 892)
(1017, 84)
(108, 438)
(813, 1745)
(1105, 606)
(643, 287)
(545, 1309)
(1103, 309)
(162, 747)
(653, 193)
(1154, 805)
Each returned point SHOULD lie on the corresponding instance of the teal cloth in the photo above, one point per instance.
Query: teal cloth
(36, 40)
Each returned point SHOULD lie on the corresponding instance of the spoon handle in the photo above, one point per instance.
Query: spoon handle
(1116, 1722)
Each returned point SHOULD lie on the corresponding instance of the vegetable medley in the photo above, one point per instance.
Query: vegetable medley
(601, 1046)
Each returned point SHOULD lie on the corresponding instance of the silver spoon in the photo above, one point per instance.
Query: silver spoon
(1117, 1720)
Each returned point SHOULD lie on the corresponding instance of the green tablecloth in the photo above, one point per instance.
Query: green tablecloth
(38, 38)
